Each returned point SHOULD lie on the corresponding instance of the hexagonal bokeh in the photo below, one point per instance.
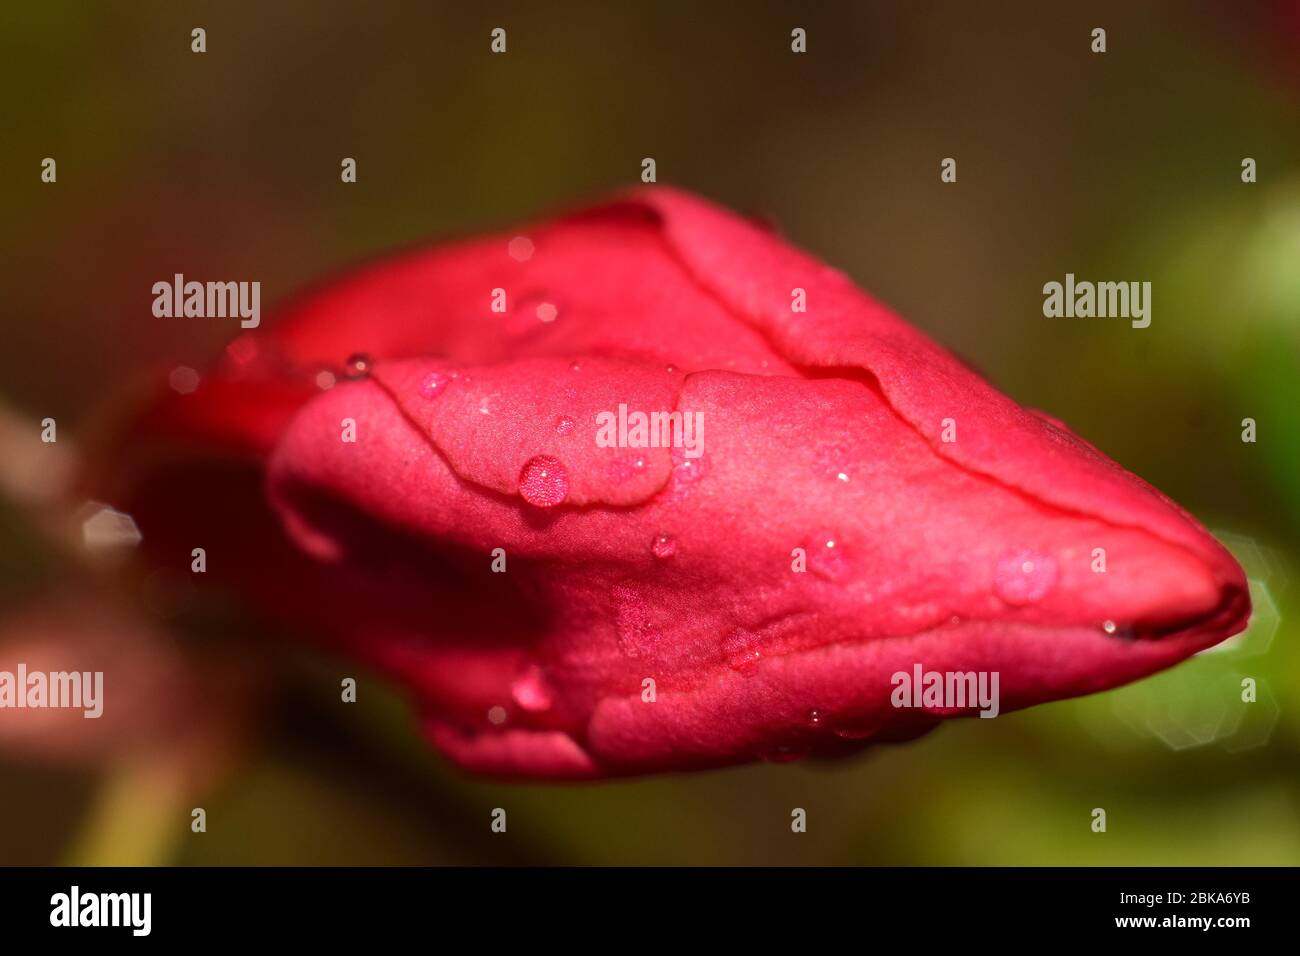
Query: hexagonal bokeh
(1259, 718)
(1190, 706)
(105, 529)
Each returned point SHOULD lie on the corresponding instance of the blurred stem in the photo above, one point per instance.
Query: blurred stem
(138, 815)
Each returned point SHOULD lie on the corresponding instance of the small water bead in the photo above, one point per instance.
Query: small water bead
(358, 365)
(433, 385)
(686, 471)
(782, 754)
(826, 557)
(1024, 576)
(1109, 627)
(564, 425)
(497, 715)
(544, 481)
(814, 717)
(625, 469)
(547, 312)
(325, 379)
(663, 547)
(741, 650)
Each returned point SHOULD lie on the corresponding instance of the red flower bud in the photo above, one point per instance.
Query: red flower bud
(567, 595)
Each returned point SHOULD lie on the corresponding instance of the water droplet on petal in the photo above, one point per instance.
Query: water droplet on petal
(531, 691)
(325, 379)
(564, 425)
(664, 546)
(575, 367)
(826, 556)
(782, 754)
(544, 481)
(855, 733)
(358, 365)
(625, 469)
(1109, 627)
(547, 312)
(814, 717)
(1024, 576)
(741, 650)
(433, 385)
(686, 471)
(497, 715)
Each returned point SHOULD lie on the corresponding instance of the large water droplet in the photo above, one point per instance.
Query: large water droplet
(1024, 576)
(544, 481)
(433, 385)
(531, 691)
(663, 547)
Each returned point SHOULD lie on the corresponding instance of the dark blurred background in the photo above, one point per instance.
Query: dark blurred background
(1124, 165)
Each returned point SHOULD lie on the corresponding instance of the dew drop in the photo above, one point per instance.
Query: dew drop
(544, 481)
(826, 556)
(686, 471)
(547, 312)
(625, 469)
(741, 650)
(782, 754)
(530, 690)
(358, 365)
(850, 732)
(1109, 627)
(564, 425)
(664, 546)
(325, 379)
(815, 717)
(1024, 576)
(433, 385)
(497, 715)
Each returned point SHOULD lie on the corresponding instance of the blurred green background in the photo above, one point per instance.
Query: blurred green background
(1117, 166)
